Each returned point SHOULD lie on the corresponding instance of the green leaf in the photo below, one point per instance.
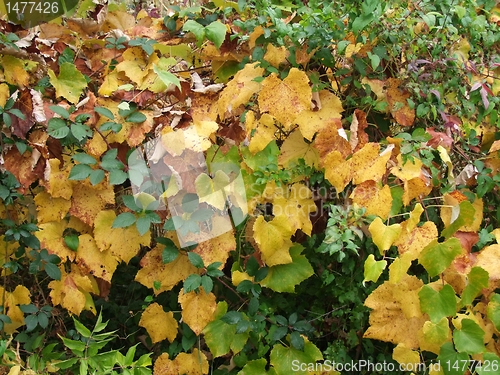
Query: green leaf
(136, 117)
(170, 253)
(105, 112)
(373, 268)
(83, 158)
(469, 339)
(113, 126)
(129, 201)
(207, 283)
(493, 310)
(284, 277)
(284, 358)
(297, 341)
(257, 367)
(117, 177)
(125, 219)
(43, 320)
(438, 304)
(96, 176)
(143, 224)
(28, 309)
(195, 260)
(451, 361)
(216, 33)
(166, 77)
(52, 271)
(192, 282)
(81, 131)
(490, 365)
(214, 271)
(197, 29)
(16, 112)
(82, 330)
(232, 317)
(361, 22)
(31, 322)
(57, 128)
(477, 280)
(436, 257)
(80, 172)
(60, 111)
(72, 241)
(70, 83)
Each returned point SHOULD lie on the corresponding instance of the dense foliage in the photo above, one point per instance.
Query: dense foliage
(251, 188)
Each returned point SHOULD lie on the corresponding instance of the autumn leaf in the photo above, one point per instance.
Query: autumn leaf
(401, 320)
(416, 183)
(100, 264)
(49, 208)
(285, 99)
(273, 239)
(194, 363)
(11, 302)
(436, 257)
(376, 200)
(488, 259)
(276, 55)
(211, 190)
(197, 309)
(263, 131)
(373, 268)
(398, 103)
(405, 356)
(70, 83)
(51, 236)
(384, 235)
(88, 201)
(282, 358)
(15, 71)
(295, 148)
(57, 182)
(159, 324)
(433, 335)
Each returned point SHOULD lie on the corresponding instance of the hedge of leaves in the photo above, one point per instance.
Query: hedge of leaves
(251, 188)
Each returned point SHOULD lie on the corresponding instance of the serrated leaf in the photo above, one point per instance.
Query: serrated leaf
(83, 158)
(216, 33)
(195, 260)
(63, 112)
(70, 82)
(207, 283)
(257, 367)
(43, 320)
(136, 117)
(28, 309)
(448, 355)
(31, 322)
(469, 339)
(125, 219)
(80, 131)
(96, 176)
(231, 317)
(493, 310)
(82, 330)
(297, 341)
(105, 112)
(282, 358)
(438, 304)
(143, 224)
(80, 172)
(52, 271)
(192, 282)
(160, 325)
(57, 128)
(117, 177)
(436, 257)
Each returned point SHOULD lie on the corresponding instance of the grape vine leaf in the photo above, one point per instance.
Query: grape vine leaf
(438, 303)
(282, 358)
(384, 235)
(373, 268)
(469, 337)
(436, 257)
(11, 302)
(159, 324)
(432, 336)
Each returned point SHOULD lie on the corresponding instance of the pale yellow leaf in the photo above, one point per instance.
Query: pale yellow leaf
(377, 201)
(273, 239)
(405, 356)
(384, 236)
(49, 208)
(295, 148)
(276, 55)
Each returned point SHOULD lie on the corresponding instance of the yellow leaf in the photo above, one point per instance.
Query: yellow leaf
(405, 356)
(337, 170)
(133, 65)
(101, 264)
(211, 190)
(398, 268)
(189, 364)
(295, 148)
(273, 239)
(414, 218)
(15, 71)
(240, 89)
(311, 122)
(123, 243)
(73, 290)
(88, 201)
(15, 370)
(416, 184)
(56, 182)
(276, 55)
(296, 205)
(49, 208)
(10, 302)
(70, 82)
(160, 325)
(367, 164)
(398, 103)
(169, 275)
(376, 201)
(7, 249)
(216, 249)
(489, 260)
(384, 236)
(265, 129)
(51, 238)
(4, 94)
(284, 100)
(395, 312)
(451, 210)
(237, 277)
(414, 241)
(197, 309)
(111, 82)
